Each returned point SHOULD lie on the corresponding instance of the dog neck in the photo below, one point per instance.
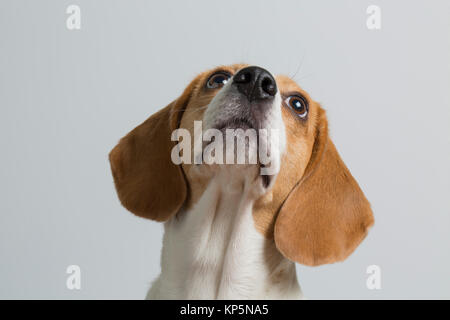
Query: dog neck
(213, 250)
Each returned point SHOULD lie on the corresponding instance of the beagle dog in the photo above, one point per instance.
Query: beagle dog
(231, 232)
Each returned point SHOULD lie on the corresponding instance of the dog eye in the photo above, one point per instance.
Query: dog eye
(217, 80)
(298, 104)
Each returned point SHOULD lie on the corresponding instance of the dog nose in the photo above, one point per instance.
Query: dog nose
(255, 83)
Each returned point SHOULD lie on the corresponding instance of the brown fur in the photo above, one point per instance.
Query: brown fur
(148, 183)
(316, 213)
(326, 215)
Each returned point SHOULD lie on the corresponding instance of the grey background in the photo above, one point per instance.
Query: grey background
(66, 97)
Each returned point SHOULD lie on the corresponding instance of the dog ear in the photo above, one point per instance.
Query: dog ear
(326, 215)
(147, 182)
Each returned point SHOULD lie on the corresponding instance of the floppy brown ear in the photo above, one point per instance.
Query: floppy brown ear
(148, 183)
(326, 215)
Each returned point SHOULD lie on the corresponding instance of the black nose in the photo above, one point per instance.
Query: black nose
(255, 83)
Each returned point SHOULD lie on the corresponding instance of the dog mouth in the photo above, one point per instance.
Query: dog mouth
(235, 123)
(265, 179)
(244, 124)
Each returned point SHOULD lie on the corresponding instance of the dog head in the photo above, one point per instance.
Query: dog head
(308, 201)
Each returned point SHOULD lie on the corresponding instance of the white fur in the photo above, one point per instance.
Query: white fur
(215, 252)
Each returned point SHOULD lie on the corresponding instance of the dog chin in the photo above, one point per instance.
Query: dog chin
(237, 177)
